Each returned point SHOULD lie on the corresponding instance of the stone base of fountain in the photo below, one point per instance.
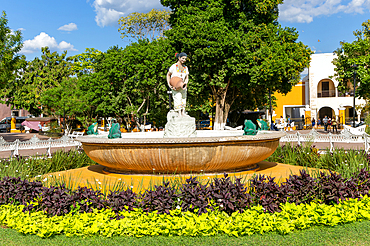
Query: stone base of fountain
(179, 127)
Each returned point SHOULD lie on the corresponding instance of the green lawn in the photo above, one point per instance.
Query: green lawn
(350, 234)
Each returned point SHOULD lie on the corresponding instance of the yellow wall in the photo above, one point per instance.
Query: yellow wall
(295, 97)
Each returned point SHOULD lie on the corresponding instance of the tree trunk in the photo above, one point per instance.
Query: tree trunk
(223, 104)
(219, 123)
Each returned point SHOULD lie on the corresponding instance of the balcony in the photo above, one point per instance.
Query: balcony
(326, 93)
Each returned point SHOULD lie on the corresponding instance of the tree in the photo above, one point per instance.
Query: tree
(96, 97)
(10, 60)
(357, 52)
(65, 99)
(38, 76)
(84, 63)
(237, 50)
(144, 89)
(144, 25)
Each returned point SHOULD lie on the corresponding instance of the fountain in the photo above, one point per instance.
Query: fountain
(179, 151)
(208, 152)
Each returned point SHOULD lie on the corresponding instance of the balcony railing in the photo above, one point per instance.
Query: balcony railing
(326, 93)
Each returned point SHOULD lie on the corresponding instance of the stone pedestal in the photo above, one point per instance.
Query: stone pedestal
(179, 127)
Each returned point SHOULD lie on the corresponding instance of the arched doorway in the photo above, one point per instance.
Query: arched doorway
(326, 111)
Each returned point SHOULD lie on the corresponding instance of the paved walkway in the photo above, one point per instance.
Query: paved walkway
(10, 137)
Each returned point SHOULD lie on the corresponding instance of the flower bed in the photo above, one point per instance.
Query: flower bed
(177, 223)
(192, 209)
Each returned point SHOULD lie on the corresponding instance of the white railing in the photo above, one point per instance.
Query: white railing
(36, 143)
(313, 136)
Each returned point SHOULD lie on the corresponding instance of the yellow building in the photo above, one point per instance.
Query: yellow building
(292, 104)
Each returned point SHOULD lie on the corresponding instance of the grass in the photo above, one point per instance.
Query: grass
(344, 162)
(357, 233)
(36, 166)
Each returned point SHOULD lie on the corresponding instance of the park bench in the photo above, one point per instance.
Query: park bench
(75, 134)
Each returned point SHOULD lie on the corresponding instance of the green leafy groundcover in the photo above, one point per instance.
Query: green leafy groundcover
(138, 223)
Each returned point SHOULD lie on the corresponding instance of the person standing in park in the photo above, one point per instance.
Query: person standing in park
(313, 123)
(329, 124)
(334, 124)
(325, 121)
(289, 121)
(179, 94)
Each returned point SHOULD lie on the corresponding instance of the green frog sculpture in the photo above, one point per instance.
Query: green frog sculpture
(262, 125)
(115, 131)
(249, 128)
(93, 129)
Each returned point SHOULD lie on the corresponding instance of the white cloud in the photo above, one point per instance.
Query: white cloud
(304, 11)
(68, 27)
(109, 11)
(42, 40)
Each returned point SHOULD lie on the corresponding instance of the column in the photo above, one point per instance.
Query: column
(359, 115)
(13, 125)
(342, 116)
(307, 116)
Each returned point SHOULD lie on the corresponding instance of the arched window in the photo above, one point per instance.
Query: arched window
(326, 88)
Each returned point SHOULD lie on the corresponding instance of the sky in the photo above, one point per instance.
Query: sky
(80, 24)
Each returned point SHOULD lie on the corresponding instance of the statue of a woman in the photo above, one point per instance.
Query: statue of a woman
(176, 71)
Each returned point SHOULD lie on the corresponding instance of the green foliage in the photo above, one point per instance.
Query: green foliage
(138, 224)
(39, 76)
(357, 52)
(144, 25)
(36, 166)
(55, 127)
(143, 90)
(66, 98)
(237, 51)
(344, 162)
(10, 60)
(367, 121)
(84, 63)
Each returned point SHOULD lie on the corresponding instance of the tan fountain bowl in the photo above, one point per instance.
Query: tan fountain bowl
(209, 152)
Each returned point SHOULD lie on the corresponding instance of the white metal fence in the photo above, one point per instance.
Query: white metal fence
(313, 136)
(36, 143)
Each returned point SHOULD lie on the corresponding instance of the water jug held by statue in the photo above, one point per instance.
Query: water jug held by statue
(177, 83)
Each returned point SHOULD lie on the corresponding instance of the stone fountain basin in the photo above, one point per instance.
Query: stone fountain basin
(209, 152)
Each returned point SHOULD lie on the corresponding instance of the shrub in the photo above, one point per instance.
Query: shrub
(228, 196)
(300, 188)
(53, 201)
(86, 199)
(162, 199)
(267, 193)
(195, 196)
(333, 187)
(221, 194)
(122, 200)
(18, 191)
(362, 180)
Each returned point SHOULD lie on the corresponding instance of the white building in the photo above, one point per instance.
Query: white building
(324, 97)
